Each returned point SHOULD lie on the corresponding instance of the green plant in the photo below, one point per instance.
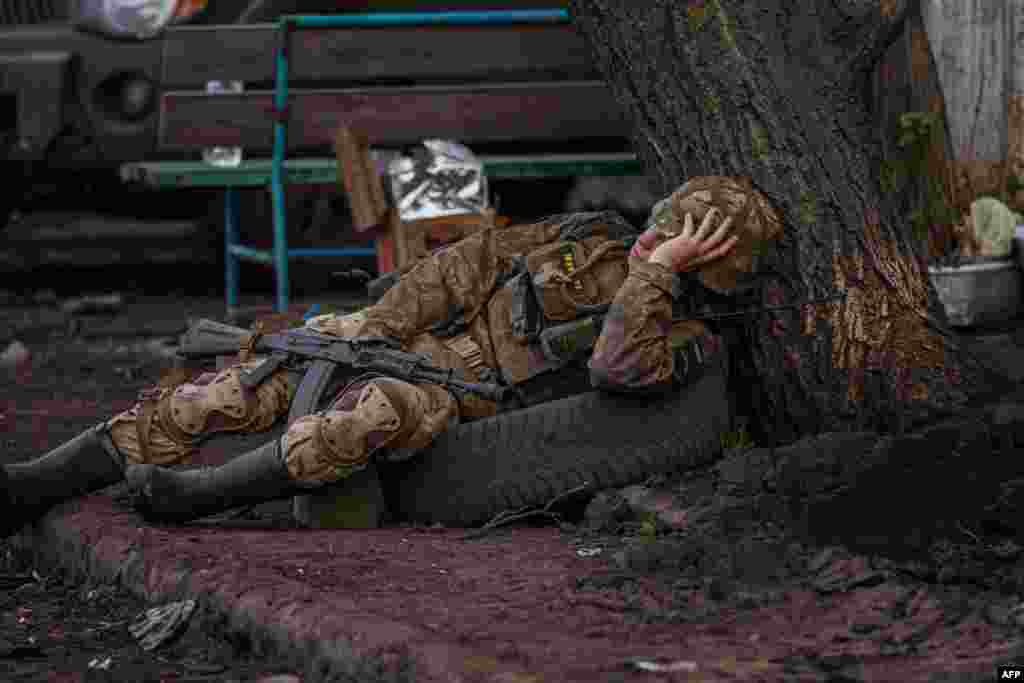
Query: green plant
(1014, 184)
(916, 135)
(808, 208)
(737, 439)
(697, 15)
(712, 104)
(648, 526)
(1006, 195)
(727, 24)
(760, 141)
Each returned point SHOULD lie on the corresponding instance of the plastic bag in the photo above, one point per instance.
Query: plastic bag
(158, 625)
(442, 178)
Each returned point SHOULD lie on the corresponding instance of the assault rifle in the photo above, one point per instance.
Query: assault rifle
(367, 354)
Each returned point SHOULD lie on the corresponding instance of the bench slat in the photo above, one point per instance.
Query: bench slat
(256, 172)
(518, 112)
(195, 55)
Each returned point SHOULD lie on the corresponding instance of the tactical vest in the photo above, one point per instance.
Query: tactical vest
(545, 315)
(554, 304)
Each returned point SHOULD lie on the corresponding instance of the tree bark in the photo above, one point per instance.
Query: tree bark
(786, 94)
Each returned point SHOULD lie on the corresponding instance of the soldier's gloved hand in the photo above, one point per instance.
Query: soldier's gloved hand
(691, 248)
(344, 326)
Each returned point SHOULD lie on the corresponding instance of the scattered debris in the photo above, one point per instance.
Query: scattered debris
(548, 512)
(847, 574)
(157, 625)
(588, 552)
(203, 668)
(681, 665)
(90, 305)
(16, 355)
(129, 373)
(645, 502)
(1006, 550)
(823, 559)
(610, 509)
(101, 664)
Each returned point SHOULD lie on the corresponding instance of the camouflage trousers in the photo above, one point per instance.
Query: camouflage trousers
(371, 414)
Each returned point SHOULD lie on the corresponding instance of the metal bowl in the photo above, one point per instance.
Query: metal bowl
(979, 293)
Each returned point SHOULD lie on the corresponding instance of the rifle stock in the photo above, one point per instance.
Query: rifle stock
(208, 338)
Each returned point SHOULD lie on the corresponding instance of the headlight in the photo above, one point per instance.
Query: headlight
(139, 19)
(188, 9)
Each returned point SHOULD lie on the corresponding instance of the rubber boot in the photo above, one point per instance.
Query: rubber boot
(87, 463)
(164, 495)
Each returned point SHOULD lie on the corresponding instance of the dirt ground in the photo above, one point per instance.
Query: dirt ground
(730, 600)
(52, 627)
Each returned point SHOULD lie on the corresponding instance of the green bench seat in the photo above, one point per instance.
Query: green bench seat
(257, 173)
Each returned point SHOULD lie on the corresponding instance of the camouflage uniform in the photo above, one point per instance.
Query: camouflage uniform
(639, 348)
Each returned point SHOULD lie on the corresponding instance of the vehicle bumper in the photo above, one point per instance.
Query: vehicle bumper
(53, 77)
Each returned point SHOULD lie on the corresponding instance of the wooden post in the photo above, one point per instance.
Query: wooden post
(360, 179)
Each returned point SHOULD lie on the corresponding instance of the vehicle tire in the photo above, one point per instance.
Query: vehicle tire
(525, 458)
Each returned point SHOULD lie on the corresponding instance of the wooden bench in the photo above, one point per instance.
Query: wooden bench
(482, 78)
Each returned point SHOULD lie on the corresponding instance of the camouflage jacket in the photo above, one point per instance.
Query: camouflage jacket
(639, 348)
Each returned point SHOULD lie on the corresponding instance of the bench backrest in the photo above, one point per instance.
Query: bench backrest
(398, 85)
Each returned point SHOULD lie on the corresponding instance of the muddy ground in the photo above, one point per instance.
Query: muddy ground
(83, 367)
(745, 600)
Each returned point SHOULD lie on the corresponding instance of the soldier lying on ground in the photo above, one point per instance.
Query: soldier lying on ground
(591, 258)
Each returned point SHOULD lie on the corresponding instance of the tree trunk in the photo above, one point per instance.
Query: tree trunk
(784, 93)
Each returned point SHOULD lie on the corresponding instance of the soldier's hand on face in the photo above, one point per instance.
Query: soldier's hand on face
(691, 248)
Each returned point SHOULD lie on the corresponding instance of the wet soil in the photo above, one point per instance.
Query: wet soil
(55, 628)
(609, 599)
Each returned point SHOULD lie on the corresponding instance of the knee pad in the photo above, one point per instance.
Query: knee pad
(334, 444)
(427, 410)
(222, 404)
(165, 427)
